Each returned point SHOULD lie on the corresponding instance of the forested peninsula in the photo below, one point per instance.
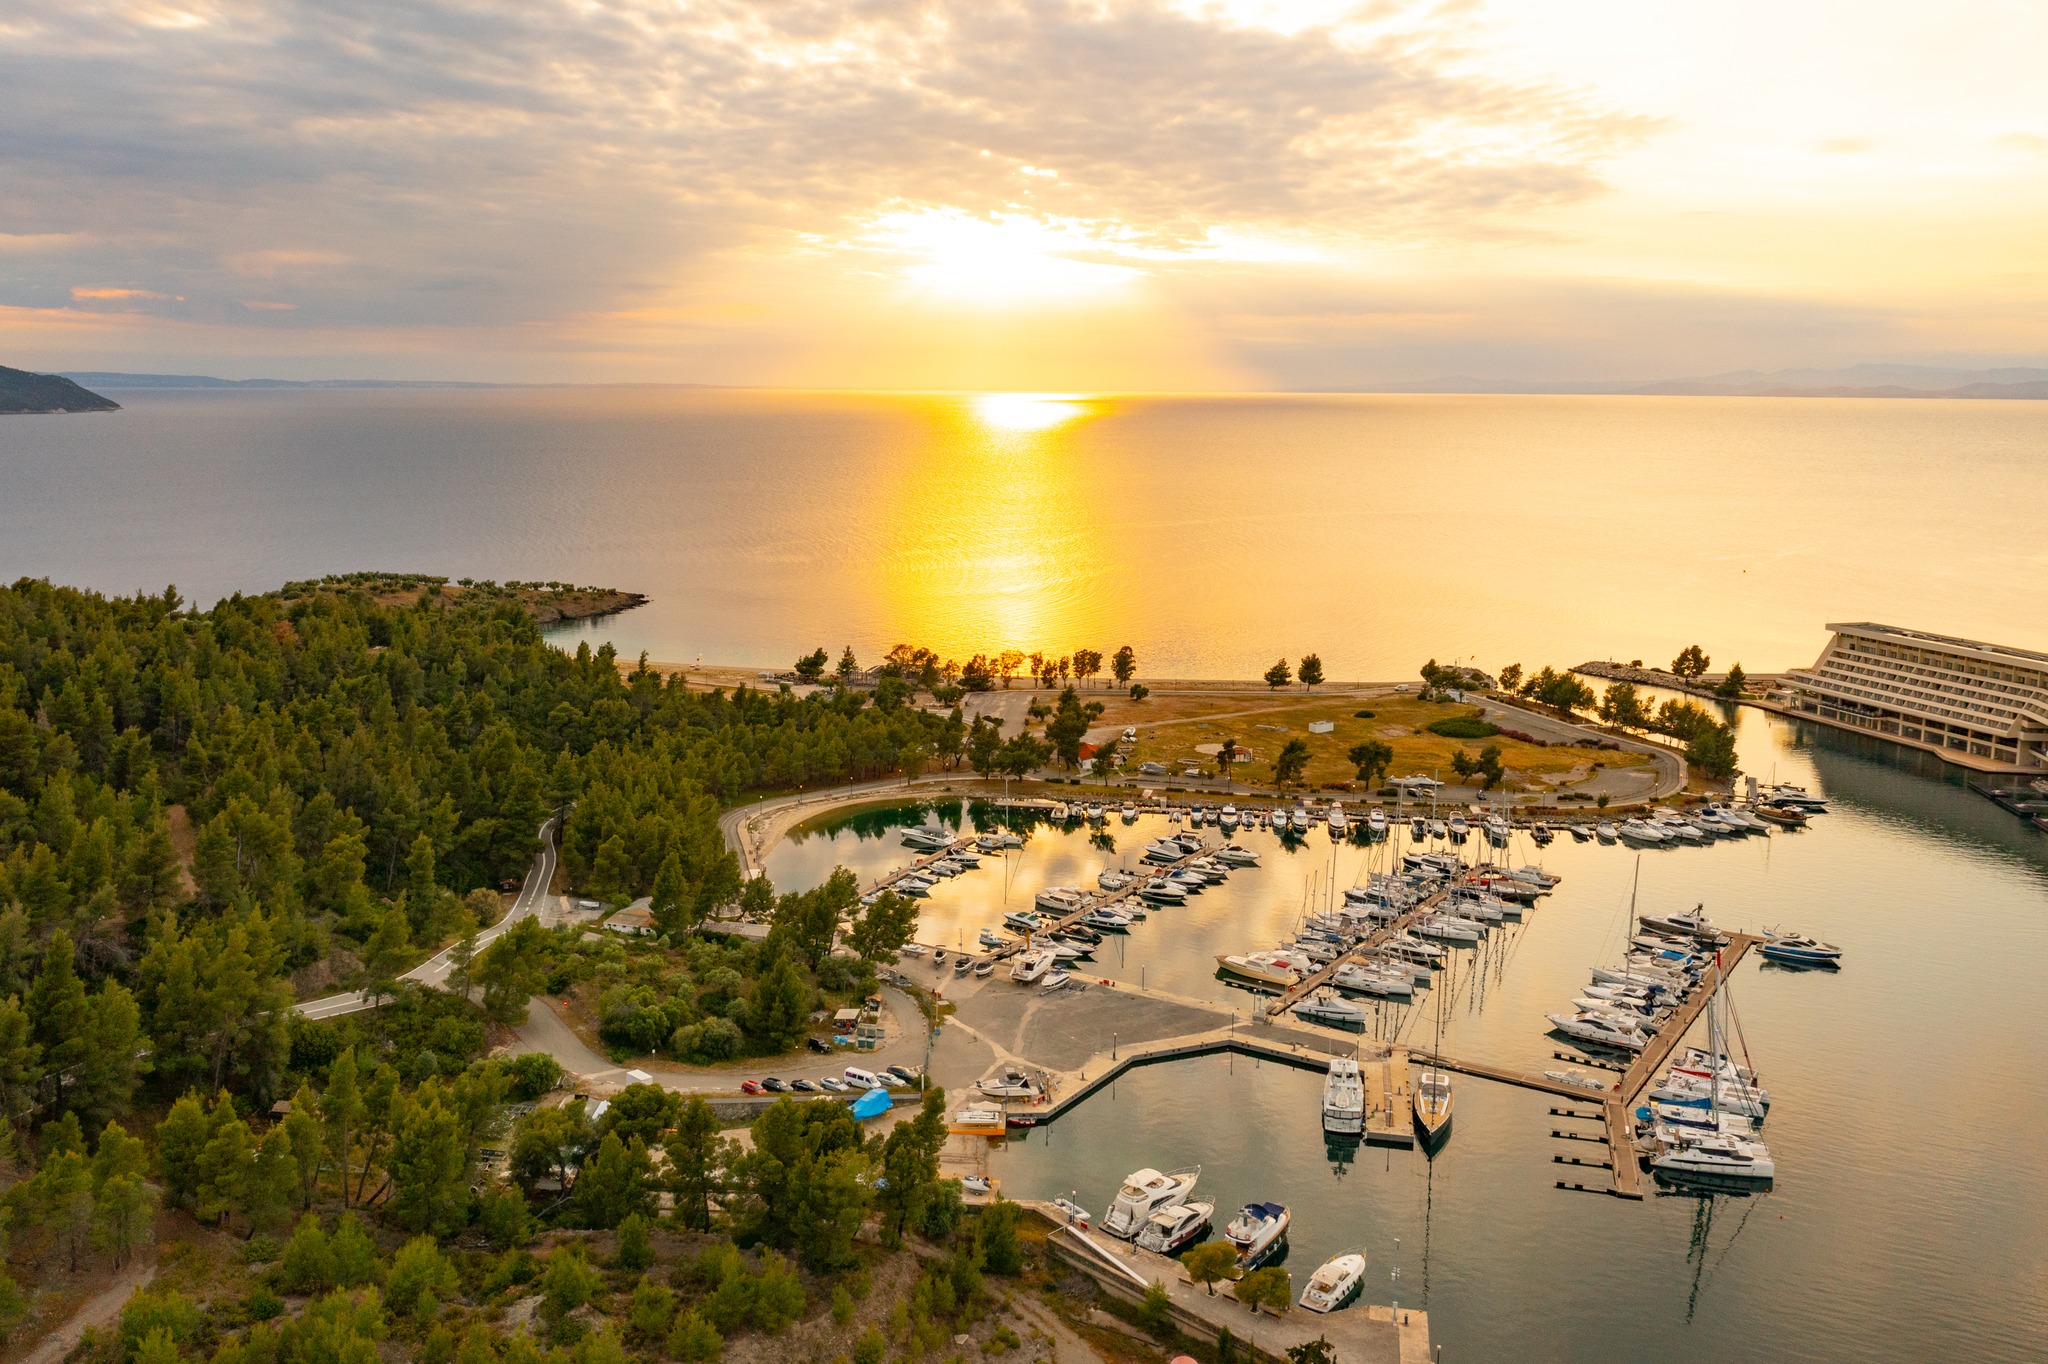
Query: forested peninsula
(207, 816)
(24, 392)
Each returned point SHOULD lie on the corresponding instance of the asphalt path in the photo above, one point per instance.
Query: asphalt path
(434, 971)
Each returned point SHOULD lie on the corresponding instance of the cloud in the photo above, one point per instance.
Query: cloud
(482, 163)
(83, 293)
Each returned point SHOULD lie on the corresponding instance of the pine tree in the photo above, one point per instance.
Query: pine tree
(268, 1182)
(428, 1160)
(341, 1108)
(223, 1164)
(57, 1011)
(180, 1141)
(309, 1142)
(110, 1065)
(422, 891)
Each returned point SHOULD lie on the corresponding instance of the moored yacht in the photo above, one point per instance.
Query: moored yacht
(1268, 968)
(1340, 823)
(1113, 880)
(1172, 1230)
(1376, 823)
(1599, 1029)
(1331, 1011)
(1258, 1231)
(1231, 855)
(1145, 1192)
(1337, 1284)
(1796, 950)
(1433, 1106)
(1032, 966)
(1344, 1098)
(1228, 821)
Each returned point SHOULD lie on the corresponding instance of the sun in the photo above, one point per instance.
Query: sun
(1006, 259)
(1027, 411)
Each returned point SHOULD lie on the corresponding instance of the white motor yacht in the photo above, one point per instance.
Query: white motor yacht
(1459, 828)
(1720, 1154)
(1344, 1098)
(1161, 891)
(1144, 1193)
(1231, 855)
(1297, 823)
(1337, 1284)
(1113, 880)
(1060, 900)
(1366, 980)
(1267, 968)
(1439, 829)
(1447, 929)
(1258, 1231)
(1599, 1029)
(1418, 828)
(1032, 966)
(1340, 823)
(1376, 823)
(1227, 821)
(1333, 1012)
(1010, 1084)
(1642, 834)
(1606, 831)
(1129, 813)
(927, 838)
(1094, 813)
(1171, 1230)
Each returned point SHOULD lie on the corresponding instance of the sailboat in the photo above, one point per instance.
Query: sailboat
(1710, 1151)
(1433, 1092)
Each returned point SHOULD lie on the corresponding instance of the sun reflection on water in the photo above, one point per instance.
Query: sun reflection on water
(1027, 411)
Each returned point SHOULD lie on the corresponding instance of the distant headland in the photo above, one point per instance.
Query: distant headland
(24, 392)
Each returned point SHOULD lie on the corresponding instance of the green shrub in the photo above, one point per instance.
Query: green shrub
(1462, 727)
(870, 1348)
(694, 1340)
(148, 1312)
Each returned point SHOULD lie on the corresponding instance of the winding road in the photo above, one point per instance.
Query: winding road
(434, 970)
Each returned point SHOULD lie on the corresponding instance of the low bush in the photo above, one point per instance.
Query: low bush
(1462, 727)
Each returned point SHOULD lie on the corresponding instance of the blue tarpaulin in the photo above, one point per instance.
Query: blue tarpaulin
(872, 1104)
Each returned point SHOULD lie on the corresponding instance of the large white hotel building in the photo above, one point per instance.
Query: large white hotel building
(1982, 706)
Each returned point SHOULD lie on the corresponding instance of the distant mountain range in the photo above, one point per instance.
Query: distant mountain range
(1857, 381)
(21, 391)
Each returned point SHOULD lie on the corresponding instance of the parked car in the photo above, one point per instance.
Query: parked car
(803, 1086)
(907, 1074)
(750, 1087)
(819, 1045)
(775, 1086)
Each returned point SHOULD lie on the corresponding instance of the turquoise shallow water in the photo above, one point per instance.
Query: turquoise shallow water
(1909, 1220)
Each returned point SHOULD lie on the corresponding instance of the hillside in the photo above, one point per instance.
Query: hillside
(21, 391)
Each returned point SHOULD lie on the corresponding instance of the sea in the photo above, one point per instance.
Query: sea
(1212, 534)
(1909, 1219)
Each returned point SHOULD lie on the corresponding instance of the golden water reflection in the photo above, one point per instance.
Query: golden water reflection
(993, 541)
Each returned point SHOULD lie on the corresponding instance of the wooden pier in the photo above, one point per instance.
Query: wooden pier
(1389, 1099)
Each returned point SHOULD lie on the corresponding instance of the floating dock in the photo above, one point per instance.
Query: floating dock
(1389, 1099)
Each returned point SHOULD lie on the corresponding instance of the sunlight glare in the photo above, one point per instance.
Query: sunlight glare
(1008, 259)
(1026, 411)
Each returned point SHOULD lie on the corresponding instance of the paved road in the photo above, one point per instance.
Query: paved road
(434, 971)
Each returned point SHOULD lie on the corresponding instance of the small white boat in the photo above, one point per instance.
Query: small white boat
(1376, 823)
(1161, 891)
(1459, 828)
(984, 968)
(1228, 820)
(977, 1184)
(1337, 1284)
(928, 838)
(1231, 855)
(1298, 822)
(1170, 1230)
(1605, 831)
(1340, 823)
(1094, 813)
(1145, 1192)
(1258, 1231)
(1011, 1084)
(915, 949)
(1023, 921)
(1164, 850)
(1076, 1214)
(1578, 1079)
(1418, 828)
(1344, 1098)
(1439, 829)
(1129, 813)
(1113, 880)
(990, 938)
(1055, 979)
(1367, 981)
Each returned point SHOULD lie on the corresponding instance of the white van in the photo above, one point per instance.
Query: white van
(861, 1079)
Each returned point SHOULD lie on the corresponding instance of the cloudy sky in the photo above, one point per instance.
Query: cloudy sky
(1021, 193)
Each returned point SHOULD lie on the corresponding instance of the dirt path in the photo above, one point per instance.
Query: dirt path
(101, 1309)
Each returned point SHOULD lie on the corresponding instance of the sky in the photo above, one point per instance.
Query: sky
(1021, 194)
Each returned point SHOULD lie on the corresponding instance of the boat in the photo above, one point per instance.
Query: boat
(1023, 921)
(1068, 951)
(1433, 1106)
(1643, 835)
(1376, 823)
(1786, 816)
(1258, 1231)
(927, 838)
(1060, 900)
(1145, 1192)
(1172, 1230)
(1598, 1029)
(1107, 920)
(1695, 925)
(984, 968)
(1010, 1084)
(1055, 979)
(1439, 829)
(1578, 1079)
(1164, 850)
(1076, 1214)
(1161, 891)
(1264, 967)
(1113, 880)
(1364, 980)
(1459, 828)
(1129, 813)
(1540, 834)
(1798, 950)
(1722, 1155)
(1606, 831)
(1784, 793)
(1340, 824)
(1337, 1284)
(1579, 832)
(1031, 967)
(963, 964)
(977, 1184)
(1227, 821)
(1076, 933)
(1418, 828)
(1445, 929)
(1336, 1013)
(1344, 1098)
(1231, 855)
(918, 949)
(1094, 813)
(990, 938)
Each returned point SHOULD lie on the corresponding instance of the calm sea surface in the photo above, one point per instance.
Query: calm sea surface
(1909, 1220)
(1212, 533)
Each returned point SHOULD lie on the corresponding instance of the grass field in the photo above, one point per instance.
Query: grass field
(1171, 727)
